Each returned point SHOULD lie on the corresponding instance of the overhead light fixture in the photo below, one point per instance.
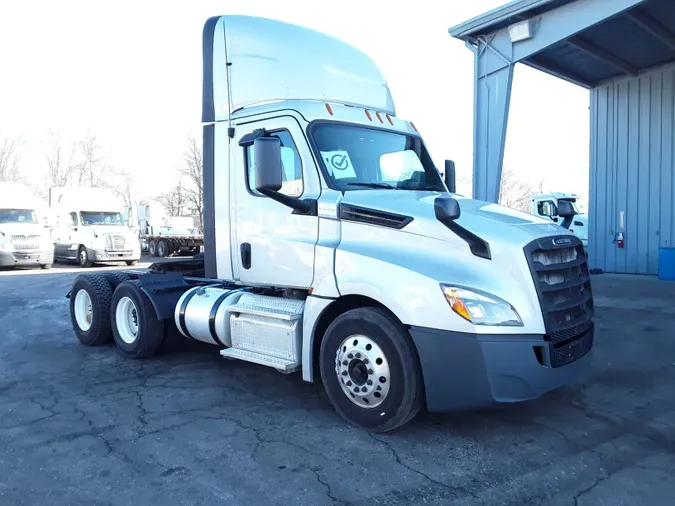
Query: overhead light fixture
(520, 31)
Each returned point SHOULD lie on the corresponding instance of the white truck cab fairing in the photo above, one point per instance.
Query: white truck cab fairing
(331, 239)
(24, 237)
(90, 227)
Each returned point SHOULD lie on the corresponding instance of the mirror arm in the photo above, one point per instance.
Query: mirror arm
(307, 207)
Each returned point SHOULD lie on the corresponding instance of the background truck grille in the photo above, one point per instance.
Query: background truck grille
(115, 242)
(26, 242)
(561, 277)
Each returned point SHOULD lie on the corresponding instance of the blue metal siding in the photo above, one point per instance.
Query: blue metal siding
(632, 166)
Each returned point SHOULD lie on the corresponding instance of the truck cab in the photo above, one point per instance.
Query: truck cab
(333, 247)
(546, 206)
(24, 236)
(90, 227)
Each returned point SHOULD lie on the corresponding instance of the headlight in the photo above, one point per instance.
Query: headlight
(481, 308)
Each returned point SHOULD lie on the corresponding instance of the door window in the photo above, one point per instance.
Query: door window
(73, 219)
(290, 160)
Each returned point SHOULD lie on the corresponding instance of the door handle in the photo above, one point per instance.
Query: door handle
(245, 255)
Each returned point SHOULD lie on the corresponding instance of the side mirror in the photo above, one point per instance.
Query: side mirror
(446, 209)
(267, 163)
(450, 178)
(566, 209)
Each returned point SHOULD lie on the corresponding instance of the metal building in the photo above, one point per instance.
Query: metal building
(623, 51)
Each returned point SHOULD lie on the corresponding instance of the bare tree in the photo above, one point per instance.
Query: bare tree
(515, 192)
(9, 160)
(90, 167)
(173, 201)
(193, 171)
(60, 166)
(121, 182)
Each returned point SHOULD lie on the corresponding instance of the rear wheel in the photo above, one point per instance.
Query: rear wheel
(83, 258)
(137, 331)
(116, 278)
(152, 248)
(89, 309)
(370, 370)
(162, 248)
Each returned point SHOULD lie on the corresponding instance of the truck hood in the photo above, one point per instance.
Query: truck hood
(22, 229)
(109, 229)
(494, 223)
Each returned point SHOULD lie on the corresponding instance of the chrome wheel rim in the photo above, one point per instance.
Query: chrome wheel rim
(126, 319)
(84, 313)
(363, 372)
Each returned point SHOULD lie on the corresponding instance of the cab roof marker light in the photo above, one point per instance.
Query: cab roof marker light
(391, 121)
(329, 109)
(368, 115)
(379, 117)
(414, 127)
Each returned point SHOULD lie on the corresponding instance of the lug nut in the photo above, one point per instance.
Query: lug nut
(356, 390)
(350, 356)
(364, 389)
(349, 383)
(358, 355)
(365, 361)
(369, 382)
(344, 362)
(370, 371)
(344, 373)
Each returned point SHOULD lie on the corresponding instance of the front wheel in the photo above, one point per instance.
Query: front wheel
(83, 258)
(137, 331)
(131, 262)
(370, 370)
(45, 267)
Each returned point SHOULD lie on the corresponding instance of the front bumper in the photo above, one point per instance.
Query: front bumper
(26, 258)
(469, 371)
(102, 255)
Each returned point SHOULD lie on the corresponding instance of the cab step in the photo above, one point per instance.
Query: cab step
(280, 364)
(278, 313)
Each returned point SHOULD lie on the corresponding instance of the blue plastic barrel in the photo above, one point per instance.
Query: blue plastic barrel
(667, 264)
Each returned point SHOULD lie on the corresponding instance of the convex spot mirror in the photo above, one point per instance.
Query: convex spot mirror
(267, 164)
(446, 209)
(566, 209)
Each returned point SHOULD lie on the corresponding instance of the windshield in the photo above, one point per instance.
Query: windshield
(17, 216)
(359, 158)
(91, 218)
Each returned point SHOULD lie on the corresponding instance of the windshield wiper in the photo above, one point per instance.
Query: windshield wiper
(385, 186)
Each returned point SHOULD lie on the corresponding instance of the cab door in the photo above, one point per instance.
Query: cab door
(272, 245)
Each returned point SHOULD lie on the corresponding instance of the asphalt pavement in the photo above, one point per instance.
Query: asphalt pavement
(84, 425)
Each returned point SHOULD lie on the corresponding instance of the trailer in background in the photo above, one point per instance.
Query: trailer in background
(161, 235)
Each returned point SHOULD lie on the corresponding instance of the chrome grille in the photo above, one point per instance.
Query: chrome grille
(115, 242)
(563, 283)
(26, 242)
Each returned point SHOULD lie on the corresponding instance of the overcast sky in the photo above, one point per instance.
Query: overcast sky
(130, 72)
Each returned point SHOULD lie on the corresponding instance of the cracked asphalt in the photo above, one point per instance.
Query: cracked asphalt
(83, 425)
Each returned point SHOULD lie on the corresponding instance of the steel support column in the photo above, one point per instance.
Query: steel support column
(492, 97)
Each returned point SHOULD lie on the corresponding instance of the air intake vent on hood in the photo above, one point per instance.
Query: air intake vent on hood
(349, 212)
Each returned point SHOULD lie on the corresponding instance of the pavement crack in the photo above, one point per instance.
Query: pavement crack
(326, 485)
(590, 489)
(400, 462)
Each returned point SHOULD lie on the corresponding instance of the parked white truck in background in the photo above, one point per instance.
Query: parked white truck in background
(374, 275)
(24, 237)
(89, 227)
(161, 235)
(546, 205)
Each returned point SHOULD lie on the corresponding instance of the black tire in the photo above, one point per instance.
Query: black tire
(131, 262)
(163, 248)
(45, 267)
(150, 332)
(83, 258)
(405, 395)
(116, 278)
(152, 248)
(100, 294)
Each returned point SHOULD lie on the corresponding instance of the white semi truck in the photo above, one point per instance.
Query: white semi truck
(90, 227)
(24, 237)
(547, 206)
(333, 247)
